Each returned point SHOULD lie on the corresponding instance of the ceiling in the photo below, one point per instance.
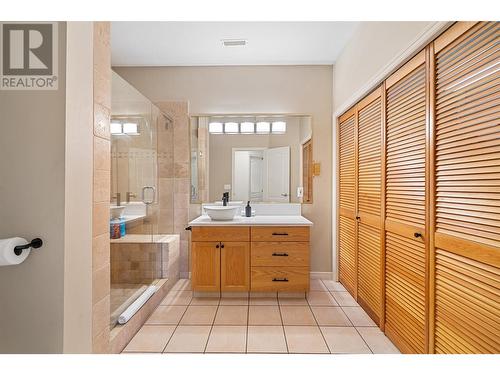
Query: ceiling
(200, 43)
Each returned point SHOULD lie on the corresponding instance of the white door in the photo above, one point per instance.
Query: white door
(277, 172)
(256, 170)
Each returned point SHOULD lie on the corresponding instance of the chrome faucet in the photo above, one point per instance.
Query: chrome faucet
(117, 196)
(130, 195)
(225, 198)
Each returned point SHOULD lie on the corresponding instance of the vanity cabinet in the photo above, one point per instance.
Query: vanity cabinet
(220, 259)
(256, 258)
(279, 259)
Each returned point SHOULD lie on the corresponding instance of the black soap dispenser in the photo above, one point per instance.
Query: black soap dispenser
(248, 210)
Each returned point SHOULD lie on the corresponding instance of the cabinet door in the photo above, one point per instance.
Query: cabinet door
(235, 267)
(467, 179)
(369, 204)
(405, 252)
(347, 202)
(205, 266)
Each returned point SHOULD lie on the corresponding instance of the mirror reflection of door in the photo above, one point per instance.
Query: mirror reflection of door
(277, 166)
(261, 175)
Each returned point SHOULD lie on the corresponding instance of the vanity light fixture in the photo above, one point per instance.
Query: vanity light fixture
(247, 127)
(263, 127)
(215, 128)
(278, 127)
(231, 128)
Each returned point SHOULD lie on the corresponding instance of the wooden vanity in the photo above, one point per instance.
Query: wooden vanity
(241, 258)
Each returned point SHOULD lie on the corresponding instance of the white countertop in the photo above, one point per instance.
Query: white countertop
(276, 220)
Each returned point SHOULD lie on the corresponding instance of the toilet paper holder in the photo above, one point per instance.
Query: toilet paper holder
(35, 244)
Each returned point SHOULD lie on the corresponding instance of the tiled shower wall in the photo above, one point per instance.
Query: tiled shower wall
(101, 189)
(174, 178)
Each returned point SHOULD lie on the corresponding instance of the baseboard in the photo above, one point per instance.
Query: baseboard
(321, 275)
(185, 275)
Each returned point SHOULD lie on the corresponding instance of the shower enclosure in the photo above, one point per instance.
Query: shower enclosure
(136, 259)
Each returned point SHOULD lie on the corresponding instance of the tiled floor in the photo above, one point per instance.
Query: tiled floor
(326, 320)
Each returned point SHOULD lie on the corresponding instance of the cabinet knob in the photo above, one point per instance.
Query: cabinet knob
(221, 245)
(417, 235)
(217, 246)
(357, 218)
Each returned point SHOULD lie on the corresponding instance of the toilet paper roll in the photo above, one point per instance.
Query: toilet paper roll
(7, 255)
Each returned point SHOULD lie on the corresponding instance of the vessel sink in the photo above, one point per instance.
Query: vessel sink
(116, 212)
(222, 212)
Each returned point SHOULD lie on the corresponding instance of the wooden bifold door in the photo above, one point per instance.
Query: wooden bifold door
(419, 196)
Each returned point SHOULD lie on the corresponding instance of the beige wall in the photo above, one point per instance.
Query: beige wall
(259, 89)
(78, 205)
(32, 190)
(374, 46)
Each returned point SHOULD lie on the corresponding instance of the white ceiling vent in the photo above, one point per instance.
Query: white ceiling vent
(234, 42)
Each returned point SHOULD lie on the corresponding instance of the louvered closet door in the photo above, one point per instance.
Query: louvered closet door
(347, 200)
(405, 295)
(467, 178)
(369, 112)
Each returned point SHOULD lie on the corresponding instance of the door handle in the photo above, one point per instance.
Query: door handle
(417, 235)
(143, 194)
(280, 254)
(284, 194)
(357, 217)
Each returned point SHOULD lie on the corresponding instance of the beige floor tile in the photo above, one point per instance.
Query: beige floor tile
(344, 340)
(167, 315)
(317, 286)
(305, 340)
(199, 315)
(358, 317)
(188, 339)
(177, 297)
(264, 315)
(292, 300)
(377, 341)
(236, 301)
(269, 301)
(182, 284)
(321, 299)
(334, 286)
(266, 339)
(330, 316)
(152, 339)
(205, 301)
(291, 295)
(344, 299)
(297, 316)
(227, 339)
(231, 316)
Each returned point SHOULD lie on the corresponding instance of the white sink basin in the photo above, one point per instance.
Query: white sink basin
(222, 212)
(116, 212)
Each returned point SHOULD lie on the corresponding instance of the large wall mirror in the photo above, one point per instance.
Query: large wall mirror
(254, 158)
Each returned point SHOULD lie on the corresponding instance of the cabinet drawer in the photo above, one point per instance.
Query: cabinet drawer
(281, 234)
(227, 233)
(280, 254)
(293, 279)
